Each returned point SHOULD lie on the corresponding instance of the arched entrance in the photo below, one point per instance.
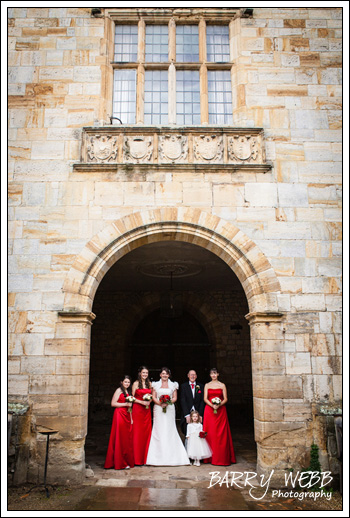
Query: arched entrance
(192, 226)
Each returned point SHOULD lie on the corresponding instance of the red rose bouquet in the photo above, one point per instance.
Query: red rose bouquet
(216, 401)
(203, 434)
(165, 399)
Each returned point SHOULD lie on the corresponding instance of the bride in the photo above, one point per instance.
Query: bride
(166, 447)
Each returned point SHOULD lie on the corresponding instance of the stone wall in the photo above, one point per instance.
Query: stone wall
(286, 80)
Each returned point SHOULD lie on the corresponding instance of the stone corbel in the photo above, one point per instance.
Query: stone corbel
(77, 317)
(267, 317)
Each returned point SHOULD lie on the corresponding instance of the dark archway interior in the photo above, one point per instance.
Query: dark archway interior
(134, 326)
(179, 342)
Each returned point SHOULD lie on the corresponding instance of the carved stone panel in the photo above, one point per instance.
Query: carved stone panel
(138, 149)
(208, 148)
(243, 148)
(173, 148)
(102, 148)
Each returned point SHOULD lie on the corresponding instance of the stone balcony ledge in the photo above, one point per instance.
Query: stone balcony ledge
(172, 145)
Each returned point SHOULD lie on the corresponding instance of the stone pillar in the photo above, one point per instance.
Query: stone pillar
(282, 441)
(60, 402)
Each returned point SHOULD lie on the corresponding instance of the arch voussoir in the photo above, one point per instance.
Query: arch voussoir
(193, 226)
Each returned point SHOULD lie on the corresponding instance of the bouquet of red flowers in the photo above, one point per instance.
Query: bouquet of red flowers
(203, 434)
(165, 399)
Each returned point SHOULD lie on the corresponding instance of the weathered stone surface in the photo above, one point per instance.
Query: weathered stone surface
(276, 225)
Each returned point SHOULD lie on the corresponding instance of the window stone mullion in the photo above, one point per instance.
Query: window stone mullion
(172, 93)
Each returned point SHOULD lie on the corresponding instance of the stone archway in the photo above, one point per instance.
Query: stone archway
(237, 250)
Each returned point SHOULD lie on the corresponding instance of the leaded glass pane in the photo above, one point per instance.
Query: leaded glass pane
(187, 97)
(125, 44)
(218, 47)
(220, 97)
(156, 97)
(124, 98)
(157, 43)
(187, 44)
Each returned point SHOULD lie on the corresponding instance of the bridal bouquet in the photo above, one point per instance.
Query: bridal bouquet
(216, 401)
(130, 399)
(165, 399)
(147, 397)
(203, 434)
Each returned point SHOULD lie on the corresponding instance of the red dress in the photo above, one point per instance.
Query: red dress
(142, 427)
(120, 448)
(219, 433)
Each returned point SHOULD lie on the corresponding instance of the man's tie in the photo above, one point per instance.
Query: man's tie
(192, 386)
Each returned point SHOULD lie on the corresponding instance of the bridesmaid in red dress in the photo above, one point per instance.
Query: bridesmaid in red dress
(142, 416)
(120, 453)
(216, 424)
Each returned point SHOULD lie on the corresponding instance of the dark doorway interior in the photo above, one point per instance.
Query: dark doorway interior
(180, 343)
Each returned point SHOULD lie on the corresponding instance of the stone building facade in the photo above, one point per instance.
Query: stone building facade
(260, 191)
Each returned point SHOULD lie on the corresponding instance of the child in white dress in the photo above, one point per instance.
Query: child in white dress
(197, 447)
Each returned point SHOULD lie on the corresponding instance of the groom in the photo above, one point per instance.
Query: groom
(191, 398)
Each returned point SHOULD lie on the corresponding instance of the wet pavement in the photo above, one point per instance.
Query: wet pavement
(162, 487)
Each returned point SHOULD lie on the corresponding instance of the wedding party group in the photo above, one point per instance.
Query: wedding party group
(136, 441)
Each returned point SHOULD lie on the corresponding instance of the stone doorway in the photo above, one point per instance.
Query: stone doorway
(253, 273)
(133, 328)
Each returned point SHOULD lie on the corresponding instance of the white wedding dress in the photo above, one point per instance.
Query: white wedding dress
(166, 447)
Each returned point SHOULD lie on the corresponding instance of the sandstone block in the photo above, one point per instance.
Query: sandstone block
(47, 150)
(268, 409)
(41, 321)
(298, 363)
(72, 365)
(303, 343)
(18, 384)
(66, 346)
(261, 195)
(297, 410)
(84, 74)
(168, 193)
(227, 195)
(197, 195)
(330, 267)
(46, 384)
(326, 365)
(20, 283)
(308, 119)
(37, 365)
(277, 387)
(108, 194)
(286, 230)
(293, 195)
(280, 433)
(337, 387)
(269, 363)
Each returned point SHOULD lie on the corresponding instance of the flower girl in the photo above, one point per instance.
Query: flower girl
(197, 446)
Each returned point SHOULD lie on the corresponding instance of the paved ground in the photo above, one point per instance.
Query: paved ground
(145, 488)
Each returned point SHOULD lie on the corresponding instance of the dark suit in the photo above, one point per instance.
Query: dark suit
(187, 402)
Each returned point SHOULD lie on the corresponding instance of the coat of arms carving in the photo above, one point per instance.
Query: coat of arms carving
(242, 148)
(208, 148)
(102, 148)
(173, 148)
(138, 149)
